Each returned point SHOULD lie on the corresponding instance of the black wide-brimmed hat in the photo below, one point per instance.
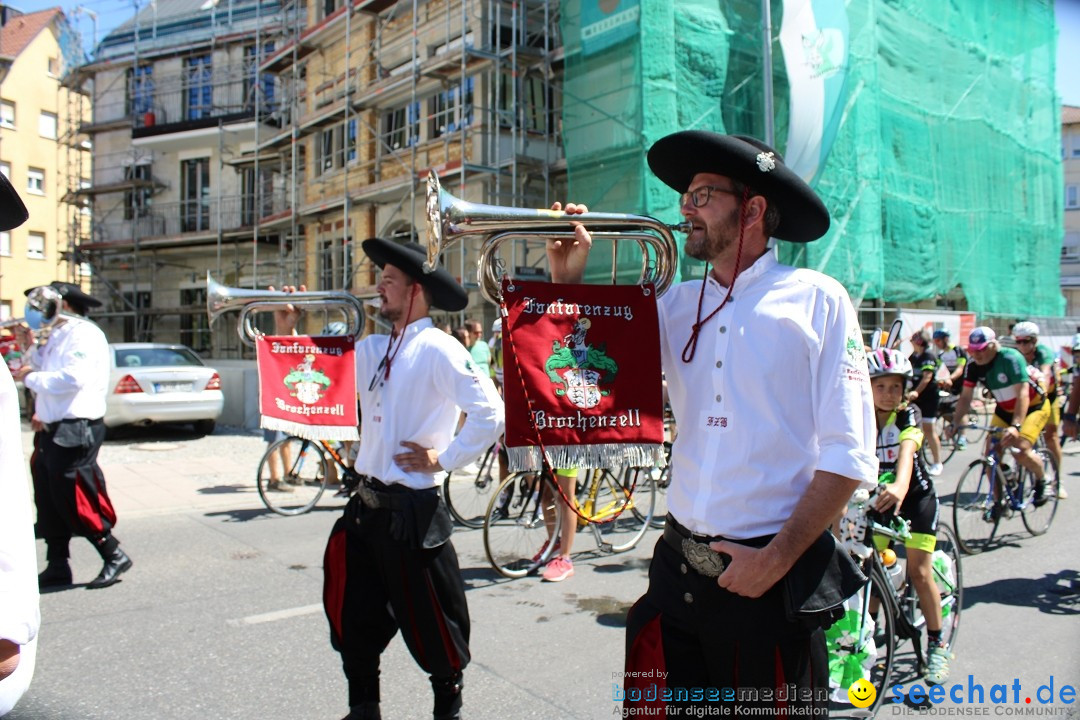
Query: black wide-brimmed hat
(409, 257)
(73, 294)
(12, 210)
(677, 158)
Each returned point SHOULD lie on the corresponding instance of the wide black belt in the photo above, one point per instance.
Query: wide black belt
(695, 548)
(377, 495)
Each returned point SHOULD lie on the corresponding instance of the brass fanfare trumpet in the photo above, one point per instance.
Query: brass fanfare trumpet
(221, 299)
(449, 219)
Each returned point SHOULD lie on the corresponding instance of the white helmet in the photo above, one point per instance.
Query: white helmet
(1026, 329)
(887, 361)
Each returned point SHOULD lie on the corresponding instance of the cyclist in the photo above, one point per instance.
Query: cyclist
(1043, 359)
(908, 491)
(954, 359)
(1021, 401)
(925, 396)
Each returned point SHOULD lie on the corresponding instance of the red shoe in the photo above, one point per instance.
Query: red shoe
(543, 549)
(558, 569)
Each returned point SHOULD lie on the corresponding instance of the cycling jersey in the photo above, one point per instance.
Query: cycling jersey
(920, 506)
(953, 357)
(1000, 375)
(1046, 356)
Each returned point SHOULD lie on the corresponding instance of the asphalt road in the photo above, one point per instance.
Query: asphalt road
(221, 618)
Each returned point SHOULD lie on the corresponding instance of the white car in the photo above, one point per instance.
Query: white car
(162, 383)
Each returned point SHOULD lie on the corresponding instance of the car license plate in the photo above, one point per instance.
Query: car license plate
(173, 387)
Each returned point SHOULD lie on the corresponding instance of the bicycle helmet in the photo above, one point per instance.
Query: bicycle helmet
(887, 361)
(1026, 329)
(336, 328)
(941, 334)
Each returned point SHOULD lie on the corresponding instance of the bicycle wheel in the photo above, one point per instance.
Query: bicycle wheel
(304, 478)
(979, 414)
(884, 640)
(467, 495)
(620, 506)
(518, 523)
(1037, 519)
(950, 584)
(977, 506)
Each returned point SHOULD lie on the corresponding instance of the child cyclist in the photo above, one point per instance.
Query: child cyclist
(911, 495)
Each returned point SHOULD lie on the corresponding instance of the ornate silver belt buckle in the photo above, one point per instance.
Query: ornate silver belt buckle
(702, 558)
(368, 496)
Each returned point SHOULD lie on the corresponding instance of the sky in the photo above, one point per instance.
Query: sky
(110, 13)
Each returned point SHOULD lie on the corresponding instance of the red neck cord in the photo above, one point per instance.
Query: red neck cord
(398, 336)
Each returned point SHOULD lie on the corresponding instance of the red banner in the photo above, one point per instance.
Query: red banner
(307, 385)
(582, 375)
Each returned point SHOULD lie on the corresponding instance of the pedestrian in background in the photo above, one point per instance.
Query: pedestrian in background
(69, 375)
(924, 395)
(478, 347)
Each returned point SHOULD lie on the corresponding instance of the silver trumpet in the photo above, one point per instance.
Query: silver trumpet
(221, 299)
(449, 219)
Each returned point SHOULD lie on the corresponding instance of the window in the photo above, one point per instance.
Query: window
(35, 246)
(266, 87)
(35, 181)
(5, 169)
(452, 110)
(258, 199)
(140, 90)
(137, 199)
(1072, 197)
(53, 67)
(1070, 246)
(7, 114)
(396, 132)
(47, 125)
(335, 264)
(198, 82)
(335, 146)
(5, 244)
(195, 194)
(534, 110)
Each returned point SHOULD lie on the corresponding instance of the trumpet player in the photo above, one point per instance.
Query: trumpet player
(69, 377)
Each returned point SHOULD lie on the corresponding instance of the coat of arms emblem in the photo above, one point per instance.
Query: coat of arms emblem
(306, 383)
(580, 368)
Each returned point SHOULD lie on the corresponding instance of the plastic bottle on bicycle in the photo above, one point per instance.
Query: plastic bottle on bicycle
(908, 493)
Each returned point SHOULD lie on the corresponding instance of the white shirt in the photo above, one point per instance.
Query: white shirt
(432, 379)
(19, 614)
(71, 373)
(777, 389)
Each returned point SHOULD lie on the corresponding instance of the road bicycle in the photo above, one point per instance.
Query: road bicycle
(996, 487)
(467, 494)
(617, 506)
(310, 466)
(899, 618)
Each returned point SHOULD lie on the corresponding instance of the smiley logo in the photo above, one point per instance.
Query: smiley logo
(861, 693)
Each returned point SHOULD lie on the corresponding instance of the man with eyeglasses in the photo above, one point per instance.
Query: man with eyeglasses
(1021, 399)
(1043, 359)
(389, 563)
(767, 378)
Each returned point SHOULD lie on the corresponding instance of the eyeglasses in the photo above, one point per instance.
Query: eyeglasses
(1025, 341)
(699, 197)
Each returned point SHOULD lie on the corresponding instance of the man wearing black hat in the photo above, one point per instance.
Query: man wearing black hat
(69, 375)
(768, 381)
(389, 563)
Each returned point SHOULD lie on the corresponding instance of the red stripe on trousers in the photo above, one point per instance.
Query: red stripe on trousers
(647, 653)
(444, 632)
(85, 508)
(334, 583)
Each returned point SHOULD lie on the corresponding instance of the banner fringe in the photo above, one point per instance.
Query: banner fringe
(610, 455)
(309, 432)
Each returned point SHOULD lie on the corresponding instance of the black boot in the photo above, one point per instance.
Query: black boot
(116, 562)
(56, 574)
(364, 711)
(447, 697)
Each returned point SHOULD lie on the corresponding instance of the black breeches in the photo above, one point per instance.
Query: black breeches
(692, 642)
(374, 586)
(69, 488)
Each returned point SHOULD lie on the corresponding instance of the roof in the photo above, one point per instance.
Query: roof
(1070, 115)
(19, 31)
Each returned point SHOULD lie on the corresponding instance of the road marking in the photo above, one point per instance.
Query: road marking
(276, 615)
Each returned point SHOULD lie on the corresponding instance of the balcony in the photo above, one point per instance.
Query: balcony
(189, 222)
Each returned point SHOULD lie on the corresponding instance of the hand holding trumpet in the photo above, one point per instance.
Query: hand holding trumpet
(567, 258)
(286, 318)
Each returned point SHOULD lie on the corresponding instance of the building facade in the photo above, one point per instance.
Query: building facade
(41, 152)
(1070, 246)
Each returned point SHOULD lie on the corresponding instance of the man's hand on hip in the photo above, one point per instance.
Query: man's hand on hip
(419, 459)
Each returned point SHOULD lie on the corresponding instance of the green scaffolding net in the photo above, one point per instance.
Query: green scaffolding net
(930, 129)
